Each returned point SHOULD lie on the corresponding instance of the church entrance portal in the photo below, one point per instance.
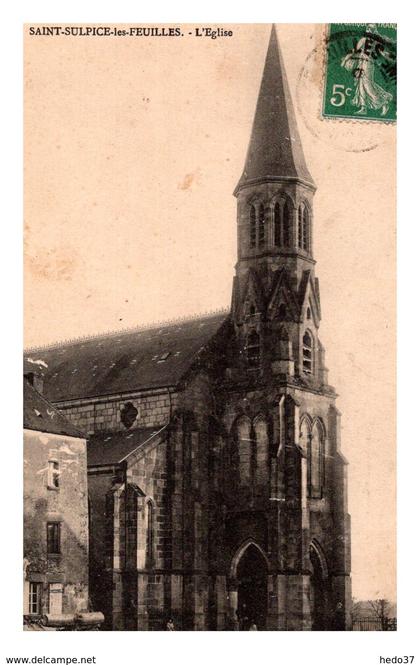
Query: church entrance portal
(251, 576)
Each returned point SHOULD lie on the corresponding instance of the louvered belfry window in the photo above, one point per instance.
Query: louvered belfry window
(307, 353)
(253, 349)
(277, 224)
(252, 226)
(261, 226)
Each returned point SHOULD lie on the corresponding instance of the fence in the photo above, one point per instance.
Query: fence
(372, 623)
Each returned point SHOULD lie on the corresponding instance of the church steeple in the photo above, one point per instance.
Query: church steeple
(275, 151)
(276, 189)
(275, 304)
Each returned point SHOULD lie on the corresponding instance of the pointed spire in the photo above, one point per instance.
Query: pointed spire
(275, 150)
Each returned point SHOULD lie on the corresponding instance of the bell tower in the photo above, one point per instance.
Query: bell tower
(276, 306)
(285, 486)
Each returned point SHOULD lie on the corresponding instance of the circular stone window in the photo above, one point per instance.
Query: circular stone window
(129, 414)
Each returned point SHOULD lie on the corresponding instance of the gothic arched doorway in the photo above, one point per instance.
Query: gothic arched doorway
(319, 589)
(251, 577)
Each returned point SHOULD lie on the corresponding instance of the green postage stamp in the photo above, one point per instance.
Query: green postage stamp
(361, 71)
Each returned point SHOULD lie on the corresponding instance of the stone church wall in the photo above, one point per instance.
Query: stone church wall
(104, 414)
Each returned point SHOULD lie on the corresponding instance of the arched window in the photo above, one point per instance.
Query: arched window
(261, 226)
(252, 226)
(283, 345)
(277, 224)
(262, 443)
(243, 433)
(307, 353)
(316, 462)
(303, 227)
(300, 226)
(149, 534)
(282, 311)
(253, 349)
(304, 436)
(287, 223)
(308, 313)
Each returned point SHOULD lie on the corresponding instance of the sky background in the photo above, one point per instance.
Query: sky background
(133, 147)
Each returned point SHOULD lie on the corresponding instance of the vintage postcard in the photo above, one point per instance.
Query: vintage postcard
(209, 363)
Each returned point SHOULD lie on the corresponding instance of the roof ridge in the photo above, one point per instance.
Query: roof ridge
(126, 331)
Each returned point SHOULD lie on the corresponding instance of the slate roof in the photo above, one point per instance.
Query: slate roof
(114, 447)
(124, 361)
(275, 149)
(41, 416)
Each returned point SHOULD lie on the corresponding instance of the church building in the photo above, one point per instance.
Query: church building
(217, 489)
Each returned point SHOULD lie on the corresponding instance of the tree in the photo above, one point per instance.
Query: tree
(381, 609)
(356, 611)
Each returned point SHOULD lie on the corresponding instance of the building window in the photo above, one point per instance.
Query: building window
(307, 353)
(277, 225)
(35, 596)
(282, 311)
(303, 227)
(316, 462)
(286, 225)
(243, 433)
(308, 313)
(53, 475)
(149, 534)
(128, 414)
(300, 227)
(252, 226)
(261, 226)
(304, 436)
(253, 349)
(262, 451)
(53, 537)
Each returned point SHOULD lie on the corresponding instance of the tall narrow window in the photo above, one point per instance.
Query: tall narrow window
(262, 445)
(282, 311)
(303, 227)
(287, 222)
(277, 224)
(304, 436)
(252, 226)
(243, 434)
(53, 475)
(307, 353)
(53, 538)
(305, 240)
(300, 226)
(253, 349)
(35, 595)
(261, 226)
(316, 462)
(149, 535)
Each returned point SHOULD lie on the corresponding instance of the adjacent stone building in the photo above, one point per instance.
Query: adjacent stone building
(216, 483)
(55, 508)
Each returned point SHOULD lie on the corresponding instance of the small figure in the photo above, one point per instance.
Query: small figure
(253, 625)
(170, 625)
(361, 62)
